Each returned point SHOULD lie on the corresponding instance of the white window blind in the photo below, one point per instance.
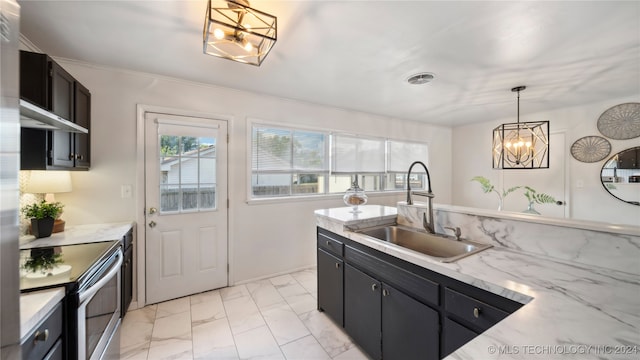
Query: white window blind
(271, 149)
(298, 162)
(286, 150)
(353, 154)
(309, 151)
(402, 154)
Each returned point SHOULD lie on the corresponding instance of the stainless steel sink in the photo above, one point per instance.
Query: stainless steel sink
(441, 247)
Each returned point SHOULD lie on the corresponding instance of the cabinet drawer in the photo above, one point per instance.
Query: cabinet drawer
(417, 286)
(330, 244)
(52, 327)
(472, 311)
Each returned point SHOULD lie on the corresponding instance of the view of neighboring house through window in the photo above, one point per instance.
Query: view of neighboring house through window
(287, 162)
(188, 173)
(293, 162)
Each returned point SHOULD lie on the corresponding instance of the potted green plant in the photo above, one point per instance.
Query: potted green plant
(42, 216)
(487, 187)
(534, 197)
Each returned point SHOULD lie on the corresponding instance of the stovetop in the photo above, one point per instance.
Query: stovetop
(74, 262)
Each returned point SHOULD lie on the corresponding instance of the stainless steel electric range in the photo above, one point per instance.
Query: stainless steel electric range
(91, 275)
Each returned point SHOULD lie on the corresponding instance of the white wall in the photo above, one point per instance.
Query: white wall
(265, 238)
(587, 202)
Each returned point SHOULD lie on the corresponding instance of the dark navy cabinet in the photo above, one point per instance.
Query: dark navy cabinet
(44, 83)
(394, 309)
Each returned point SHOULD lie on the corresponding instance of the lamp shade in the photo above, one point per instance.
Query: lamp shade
(48, 182)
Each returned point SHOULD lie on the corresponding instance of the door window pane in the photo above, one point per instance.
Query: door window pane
(207, 196)
(188, 145)
(187, 173)
(207, 170)
(169, 145)
(189, 197)
(169, 198)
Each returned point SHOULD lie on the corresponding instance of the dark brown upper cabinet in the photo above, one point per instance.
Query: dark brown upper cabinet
(46, 84)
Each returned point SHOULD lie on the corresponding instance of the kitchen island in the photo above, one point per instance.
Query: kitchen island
(571, 309)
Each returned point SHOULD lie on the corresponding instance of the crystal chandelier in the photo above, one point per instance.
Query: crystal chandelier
(235, 31)
(521, 145)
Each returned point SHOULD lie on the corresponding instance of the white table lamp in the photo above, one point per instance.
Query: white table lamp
(49, 183)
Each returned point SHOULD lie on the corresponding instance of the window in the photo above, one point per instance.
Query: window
(187, 178)
(292, 162)
(286, 162)
(400, 156)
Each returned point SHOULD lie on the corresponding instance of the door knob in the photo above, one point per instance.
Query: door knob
(152, 210)
(152, 224)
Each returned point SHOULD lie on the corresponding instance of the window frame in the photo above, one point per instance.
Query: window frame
(383, 177)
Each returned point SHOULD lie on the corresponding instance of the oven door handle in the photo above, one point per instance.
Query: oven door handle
(89, 292)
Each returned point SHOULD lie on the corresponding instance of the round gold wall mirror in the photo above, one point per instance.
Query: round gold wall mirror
(620, 175)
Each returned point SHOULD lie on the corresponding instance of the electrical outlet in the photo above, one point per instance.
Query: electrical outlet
(125, 191)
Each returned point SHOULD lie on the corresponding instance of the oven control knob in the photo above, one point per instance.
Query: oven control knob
(152, 224)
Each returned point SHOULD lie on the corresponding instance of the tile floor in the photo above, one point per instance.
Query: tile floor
(268, 319)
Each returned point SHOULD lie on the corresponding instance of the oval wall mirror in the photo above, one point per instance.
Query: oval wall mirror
(620, 175)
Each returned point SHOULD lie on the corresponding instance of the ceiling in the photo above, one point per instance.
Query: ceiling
(357, 55)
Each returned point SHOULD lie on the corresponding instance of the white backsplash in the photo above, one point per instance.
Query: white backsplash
(615, 250)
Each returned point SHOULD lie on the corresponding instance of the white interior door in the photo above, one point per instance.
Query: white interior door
(186, 205)
(549, 181)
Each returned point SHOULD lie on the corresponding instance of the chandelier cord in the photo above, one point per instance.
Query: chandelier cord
(518, 116)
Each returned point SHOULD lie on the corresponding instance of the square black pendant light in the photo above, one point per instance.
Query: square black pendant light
(521, 145)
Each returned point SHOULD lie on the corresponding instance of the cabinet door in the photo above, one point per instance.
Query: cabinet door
(61, 104)
(34, 75)
(362, 310)
(82, 116)
(330, 286)
(455, 335)
(410, 329)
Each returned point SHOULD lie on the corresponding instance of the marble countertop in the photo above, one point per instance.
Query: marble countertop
(571, 310)
(79, 234)
(366, 214)
(35, 306)
(577, 224)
